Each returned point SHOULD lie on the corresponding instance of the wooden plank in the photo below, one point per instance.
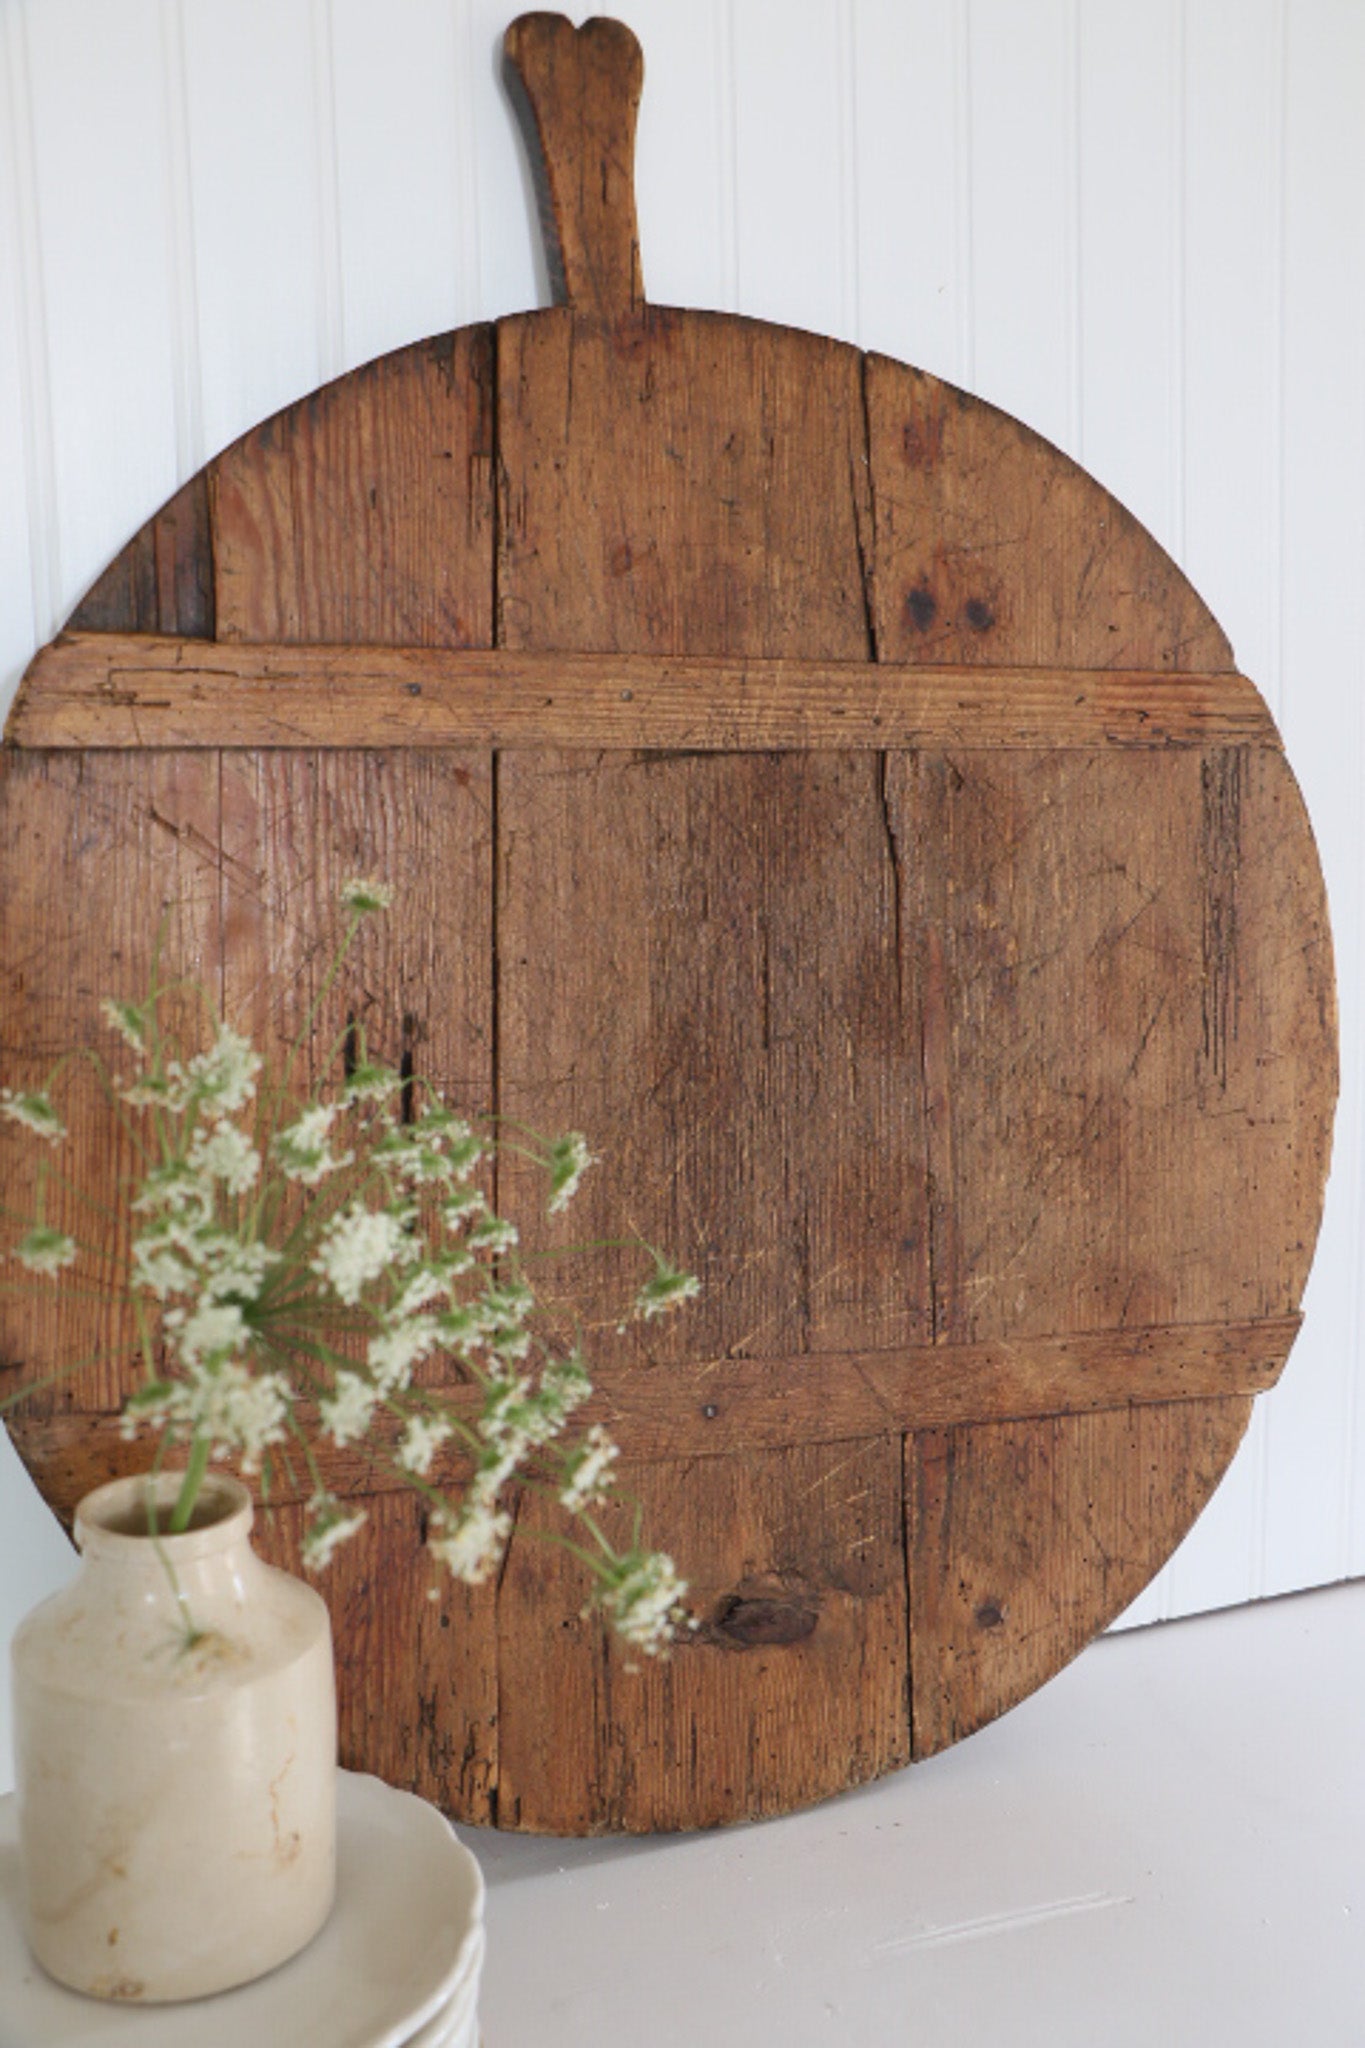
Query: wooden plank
(162, 581)
(797, 1678)
(673, 980)
(362, 513)
(1161, 1159)
(991, 546)
(722, 1406)
(417, 1683)
(101, 855)
(1025, 1538)
(629, 517)
(365, 513)
(104, 690)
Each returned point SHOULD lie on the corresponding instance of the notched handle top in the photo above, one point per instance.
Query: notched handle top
(577, 93)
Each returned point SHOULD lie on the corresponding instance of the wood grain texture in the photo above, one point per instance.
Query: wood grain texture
(1025, 1538)
(1168, 909)
(577, 94)
(362, 512)
(991, 546)
(671, 485)
(417, 1692)
(797, 1677)
(718, 1407)
(366, 514)
(110, 690)
(101, 853)
(680, 483)
(162, 581)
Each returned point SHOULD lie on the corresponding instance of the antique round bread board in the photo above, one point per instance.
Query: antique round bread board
(807, 782)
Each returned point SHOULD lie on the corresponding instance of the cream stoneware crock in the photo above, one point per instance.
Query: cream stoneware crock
(175, 1754)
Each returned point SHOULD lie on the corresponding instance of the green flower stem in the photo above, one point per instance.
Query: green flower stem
(158, 1460)
(190, 1484)
(296, 1430)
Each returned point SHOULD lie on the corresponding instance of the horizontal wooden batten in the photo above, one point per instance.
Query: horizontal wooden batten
(105, 690)
(726, 1406)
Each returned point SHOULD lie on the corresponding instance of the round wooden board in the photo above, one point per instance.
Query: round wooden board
(894, 878)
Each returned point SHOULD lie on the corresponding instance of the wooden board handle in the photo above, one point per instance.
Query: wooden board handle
(577, 93)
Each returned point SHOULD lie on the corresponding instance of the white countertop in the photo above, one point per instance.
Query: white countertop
(1165, 1848)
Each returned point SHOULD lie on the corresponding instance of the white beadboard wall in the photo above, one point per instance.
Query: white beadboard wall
(1138, 224)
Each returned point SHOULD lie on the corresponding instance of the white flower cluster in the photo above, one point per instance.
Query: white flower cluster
(302, 1149)
(329, 1526)
(35, 1112)
(644, 1602)
(586, 1470)
(257, 1238)
(238, 1411)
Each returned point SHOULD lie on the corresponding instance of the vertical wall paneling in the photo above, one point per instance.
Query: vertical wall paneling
(36, 1555)
(963, 193)
(910, 271)
(1315, 1520)
(1021, 210)
(98, 154)
(332, 354)
(404, 173)
(256, 212)
(187, 368)
(511, 265)
(1126, 198)
(1140, 224)
(29, 582)
(684, 199)
(788, 163)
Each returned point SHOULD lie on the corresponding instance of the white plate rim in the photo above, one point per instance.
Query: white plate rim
(360, 1796)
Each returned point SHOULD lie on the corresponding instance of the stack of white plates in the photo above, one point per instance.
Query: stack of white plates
(396, 1966)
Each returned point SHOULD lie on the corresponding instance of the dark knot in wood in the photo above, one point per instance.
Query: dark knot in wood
(768, 1619)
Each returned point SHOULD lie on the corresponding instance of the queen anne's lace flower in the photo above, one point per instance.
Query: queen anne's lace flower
(393, 1351)
(129, 1022)
(175, 1190)
(666, 1287)
(348, 1410)
(357, 1247)
(587, 1471)
(492, 1234)
(225, 1075)
(160, 1266)
(209, 1333)
(259, 1294)
(45, 1250)
(302, 1150)
(372, 1083)
(330, 1526)
(363, 896)
(422, 1438)
(233, 1270)
(226, 1154)
(645, 1602)
(569, 1161)
(239, 1411)
(35, 1111)
(471, 1547)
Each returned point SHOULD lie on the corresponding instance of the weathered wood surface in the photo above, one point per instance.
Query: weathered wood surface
(720, 1406)
(981, 1060)
(578, 94)
(106, 690)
